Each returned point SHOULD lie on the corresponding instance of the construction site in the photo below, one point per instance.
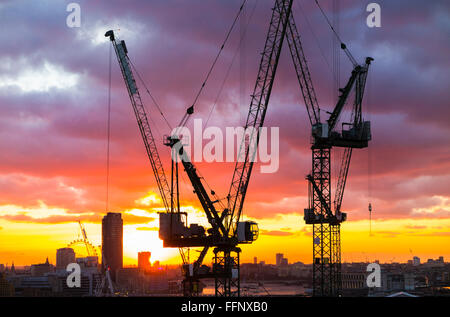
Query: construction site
(226, 229)
(196, 196)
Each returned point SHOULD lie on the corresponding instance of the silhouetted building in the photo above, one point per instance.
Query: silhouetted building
(279, 257)
(354, 280)
(40, 269)
(144, 260)
(6, 288)
(64, 257)
(397, 281)
(89, 261)
(112, 241)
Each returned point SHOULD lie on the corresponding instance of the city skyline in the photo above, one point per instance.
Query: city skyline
(146, 255)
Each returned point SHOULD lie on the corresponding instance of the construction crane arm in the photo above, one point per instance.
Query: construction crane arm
(206, 202)
(343, 173)
(302, 71)
(342, 99)
(358, 76)
(141, 116)
(255, 118)
(360, 83)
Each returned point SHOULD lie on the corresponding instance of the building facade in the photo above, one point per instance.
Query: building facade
(144, 260)
(112, 242)
(64, 257)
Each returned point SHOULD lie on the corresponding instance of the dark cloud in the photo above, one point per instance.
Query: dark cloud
(59, 136)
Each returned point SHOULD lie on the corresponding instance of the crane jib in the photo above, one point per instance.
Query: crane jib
(121, 51)
(258, 107)
(141, 117)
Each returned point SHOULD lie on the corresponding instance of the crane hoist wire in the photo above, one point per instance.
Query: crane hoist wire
(149, 93)
(314, 35)
(108, 130)
(343, 46)
(190, 110)
(232, 63)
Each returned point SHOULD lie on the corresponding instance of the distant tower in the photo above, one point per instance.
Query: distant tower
(112, 241)
(144, 260)
(64, 256)
(279, 258)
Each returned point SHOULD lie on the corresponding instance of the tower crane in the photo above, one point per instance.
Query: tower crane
(106, 281)
(227, 231)
(85, 239)
(321, 213)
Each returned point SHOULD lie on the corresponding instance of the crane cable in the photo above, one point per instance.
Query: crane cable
(343, 46)
(151, 96)
(231, 64)
(369, 156)
(313, 34)
(190, 110)
(108, 129)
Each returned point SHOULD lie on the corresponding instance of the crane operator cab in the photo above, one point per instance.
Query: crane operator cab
(247, 231)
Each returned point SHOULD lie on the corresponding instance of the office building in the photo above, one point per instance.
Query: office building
(279, 257)
(64, 257)
(112, 242)
(144, 260)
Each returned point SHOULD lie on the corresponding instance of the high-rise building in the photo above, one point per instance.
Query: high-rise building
(416, 261)
(144, 260)
(255, 260)
(279, 257)
(112, 241)
(64, 256)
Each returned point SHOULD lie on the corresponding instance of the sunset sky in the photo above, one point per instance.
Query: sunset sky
(53, 124)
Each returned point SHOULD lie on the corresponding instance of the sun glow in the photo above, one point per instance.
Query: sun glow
(137, 239)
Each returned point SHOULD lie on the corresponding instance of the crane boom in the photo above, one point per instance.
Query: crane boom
(141, 116)
(302, 71)
(202, 195)
(360, 84)
(257, 112)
